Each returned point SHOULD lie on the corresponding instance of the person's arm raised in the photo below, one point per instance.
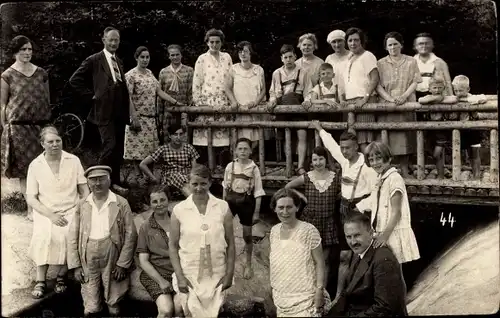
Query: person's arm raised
(330, 144)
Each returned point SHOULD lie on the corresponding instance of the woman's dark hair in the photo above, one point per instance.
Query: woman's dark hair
(214, 32)
(321, 152)
(17, 43)
(287, 48)
(288, 193)
(139, 50)
(243, 139)
(201, 171)
(171, 129)
(160, 188)
(394, 35)
(241, 46)
(361, 33)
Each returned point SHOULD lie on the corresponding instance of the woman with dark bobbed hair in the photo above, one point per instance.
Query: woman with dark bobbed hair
(209, 89)
(399, 76)
(24, 110)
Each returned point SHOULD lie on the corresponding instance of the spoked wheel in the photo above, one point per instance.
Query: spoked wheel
(71, 129)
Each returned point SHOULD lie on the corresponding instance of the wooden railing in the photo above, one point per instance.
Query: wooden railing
(488, 114)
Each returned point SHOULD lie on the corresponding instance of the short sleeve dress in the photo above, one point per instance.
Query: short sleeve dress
(27, 111)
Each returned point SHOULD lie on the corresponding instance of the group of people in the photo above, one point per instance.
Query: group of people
(83, 222)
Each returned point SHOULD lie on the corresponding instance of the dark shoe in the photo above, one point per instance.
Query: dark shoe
(120, 190)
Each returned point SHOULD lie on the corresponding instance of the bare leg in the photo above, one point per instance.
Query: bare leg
(476, 162)
(326, 255)
(439, 156)
(247, 237)
(302, 147)
(41, 272)
(165, 306)
(22, 182)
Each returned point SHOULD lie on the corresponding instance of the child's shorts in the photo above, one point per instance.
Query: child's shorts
(244, 211)
(438, 138)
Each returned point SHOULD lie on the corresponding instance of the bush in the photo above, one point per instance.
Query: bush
(14, 203)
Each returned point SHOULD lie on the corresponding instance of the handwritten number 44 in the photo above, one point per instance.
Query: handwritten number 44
(450, 220)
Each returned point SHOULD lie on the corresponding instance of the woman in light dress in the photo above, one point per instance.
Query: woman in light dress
(209, 89)
(247, 89)
(54, 183)
(360, 81)
(339, 58)
(399, 76)
(297, 267)
(309, 62)
(202, 248)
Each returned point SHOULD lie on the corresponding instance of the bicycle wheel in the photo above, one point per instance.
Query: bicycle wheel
(71, 129)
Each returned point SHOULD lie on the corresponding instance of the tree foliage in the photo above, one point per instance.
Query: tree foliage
(67, 32)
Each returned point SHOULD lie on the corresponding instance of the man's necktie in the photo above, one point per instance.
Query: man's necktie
(116, 69)
(354, 266)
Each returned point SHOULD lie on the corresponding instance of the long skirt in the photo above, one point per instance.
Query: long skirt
(48, 243)
(139, 145)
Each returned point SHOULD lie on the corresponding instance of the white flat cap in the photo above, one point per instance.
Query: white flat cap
(335, 35)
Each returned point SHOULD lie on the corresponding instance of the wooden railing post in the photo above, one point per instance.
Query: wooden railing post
(288, 152)
(456, 159)
(494, 156)
(317, 139)
(420, 155)
(262, 164)
(233, 132)
(384, 136)
(210, 149)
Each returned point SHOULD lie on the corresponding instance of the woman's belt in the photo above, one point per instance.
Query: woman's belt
(30, 122)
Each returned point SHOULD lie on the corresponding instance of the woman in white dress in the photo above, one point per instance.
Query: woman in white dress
(209, 89)
(55, 181)
(246, 88)
(338, 59)
(201, 248)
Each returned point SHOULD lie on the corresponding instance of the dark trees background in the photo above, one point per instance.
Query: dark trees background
(67, 32)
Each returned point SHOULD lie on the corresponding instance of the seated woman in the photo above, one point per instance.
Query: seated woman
(154, 258)
(179, 158)
(55, 179)
(202, 248)
(297, 267)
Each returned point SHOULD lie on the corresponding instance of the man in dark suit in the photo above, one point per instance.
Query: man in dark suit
(374, 285)
(101, 76)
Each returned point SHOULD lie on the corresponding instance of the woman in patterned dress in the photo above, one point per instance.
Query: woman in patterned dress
(177, 81)
(209, 89)
(360, 81)
(24, 110)
(247, 89)
(399, 76)
(321, 186)
(202, 248)
(297, 266)
(141, 137)
(178, 156)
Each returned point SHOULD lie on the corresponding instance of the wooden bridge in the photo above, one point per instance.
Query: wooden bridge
(423, 187)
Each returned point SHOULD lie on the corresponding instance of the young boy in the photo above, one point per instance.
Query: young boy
(472, 139)
(289, 86)
(438, 137)
(243, 192)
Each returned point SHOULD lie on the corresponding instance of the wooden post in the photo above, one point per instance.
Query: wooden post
(262, 163)
(288, 152)
(210, 149)
(420, 155)
(456, 159)
(317, 139)
(351, 119)
(494, 156)
(385, 136)
(233, 132)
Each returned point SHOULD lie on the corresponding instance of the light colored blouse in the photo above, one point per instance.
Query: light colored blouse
(210, 76)
(397, 76)
(356, 74)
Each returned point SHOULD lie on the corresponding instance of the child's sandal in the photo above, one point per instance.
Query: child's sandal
(39, 290)
(60, 286)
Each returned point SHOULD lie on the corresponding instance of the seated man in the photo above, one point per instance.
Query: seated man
(374, 285)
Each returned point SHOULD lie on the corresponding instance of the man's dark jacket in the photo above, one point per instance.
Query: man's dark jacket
(375, 289)
(110, 101)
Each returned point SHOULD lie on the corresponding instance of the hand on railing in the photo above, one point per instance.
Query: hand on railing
(271, 104)
(317, 125)
(306, 104)
(400, 100)
(360, 103)
(333, 104)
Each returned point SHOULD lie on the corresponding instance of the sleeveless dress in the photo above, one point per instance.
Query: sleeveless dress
(320, 209)
(27, 111)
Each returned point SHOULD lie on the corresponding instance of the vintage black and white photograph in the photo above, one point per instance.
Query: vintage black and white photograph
(249, 158)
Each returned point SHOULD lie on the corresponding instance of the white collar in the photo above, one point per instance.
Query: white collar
(212, 200)
(363, 254)
(108, 53)
(432, 58)
(111, 198)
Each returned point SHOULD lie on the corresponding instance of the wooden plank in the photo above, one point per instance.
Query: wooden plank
(420, 155)
(494, 156)
(445, 199)
(288, 153)
(384, 136)
(262, 154)
(456, 157)
(317, 139)
(234, 137)
(210, 149)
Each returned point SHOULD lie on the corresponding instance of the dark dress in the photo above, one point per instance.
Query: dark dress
(320, 209)
(27, 111)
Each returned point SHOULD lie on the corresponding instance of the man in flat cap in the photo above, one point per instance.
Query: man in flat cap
(101, 244)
